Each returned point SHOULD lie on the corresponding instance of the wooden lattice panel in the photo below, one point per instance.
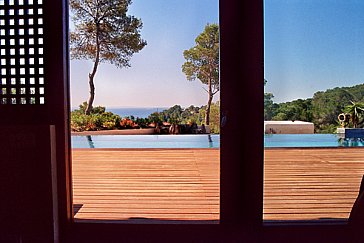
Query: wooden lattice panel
(21, 52)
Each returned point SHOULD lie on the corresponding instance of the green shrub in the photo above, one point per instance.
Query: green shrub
(97, 120)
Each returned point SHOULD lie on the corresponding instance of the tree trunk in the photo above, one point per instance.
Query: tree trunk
(207, 118)
(92, 94)
(211, 95)
(91, 75)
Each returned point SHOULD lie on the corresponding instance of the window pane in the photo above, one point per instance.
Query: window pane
(149, 149)
(313, 92)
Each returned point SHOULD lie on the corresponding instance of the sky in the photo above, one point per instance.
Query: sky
(312, 45)
(155, 78)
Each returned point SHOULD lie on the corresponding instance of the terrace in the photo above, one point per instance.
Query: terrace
(182, 185)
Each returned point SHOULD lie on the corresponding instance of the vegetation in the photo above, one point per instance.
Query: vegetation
(356, 111)
(104, 33)
(202, 62)
(100, 119)
(322, 109)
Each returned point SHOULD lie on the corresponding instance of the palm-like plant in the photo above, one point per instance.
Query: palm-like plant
(356, 111)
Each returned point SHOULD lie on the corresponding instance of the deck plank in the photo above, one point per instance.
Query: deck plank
(153, 185)
(311, 184)
(174, 185)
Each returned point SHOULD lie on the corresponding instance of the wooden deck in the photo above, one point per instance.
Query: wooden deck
(311, 184)
(146, 185)
(182, 185)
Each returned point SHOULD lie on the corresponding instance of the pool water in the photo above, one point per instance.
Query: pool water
(309, 140)
(147, 141)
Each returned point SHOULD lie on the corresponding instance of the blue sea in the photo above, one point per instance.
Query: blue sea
(141, 112)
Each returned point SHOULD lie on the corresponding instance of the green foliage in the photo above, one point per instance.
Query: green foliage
(326, 128)
(104, 33)
(300, 110)
(356, 111)
(190, 115)
(202, 62)
(322, 109)
(103, 26)
(269, 106)
(97, 120)
(94, 110)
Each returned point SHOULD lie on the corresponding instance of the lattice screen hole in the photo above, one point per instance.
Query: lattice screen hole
(21, 51)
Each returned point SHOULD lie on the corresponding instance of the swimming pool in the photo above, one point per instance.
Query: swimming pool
(309, 140)
(147, 141)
